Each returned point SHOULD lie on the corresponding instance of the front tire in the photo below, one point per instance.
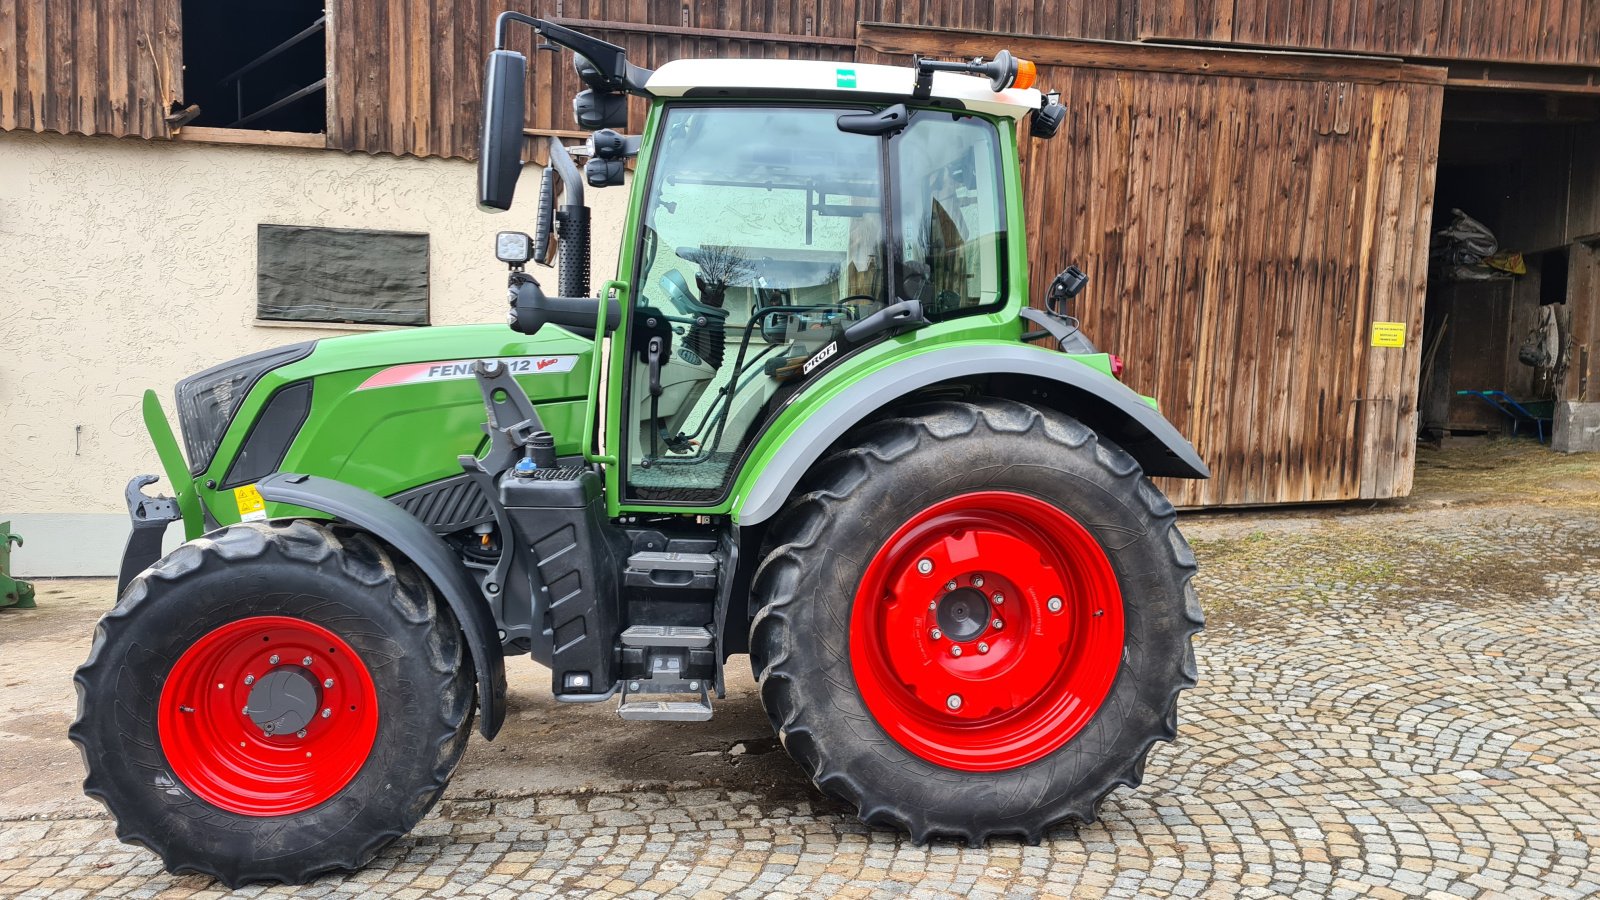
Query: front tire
(974, 621)
(272, 702)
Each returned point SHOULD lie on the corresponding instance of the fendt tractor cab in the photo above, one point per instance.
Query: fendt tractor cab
(812, 419)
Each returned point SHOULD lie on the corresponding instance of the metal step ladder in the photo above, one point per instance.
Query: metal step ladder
(667, 648)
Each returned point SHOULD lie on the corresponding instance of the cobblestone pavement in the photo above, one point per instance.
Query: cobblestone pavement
(1392, 703)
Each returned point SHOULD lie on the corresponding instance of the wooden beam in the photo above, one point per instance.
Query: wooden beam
(905, 40)
(202, 135)
(760, 36)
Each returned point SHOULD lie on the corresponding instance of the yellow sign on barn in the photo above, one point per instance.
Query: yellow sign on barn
(1388, 334)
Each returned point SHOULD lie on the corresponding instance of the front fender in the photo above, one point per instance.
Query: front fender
(1019, 372)
(417, 542)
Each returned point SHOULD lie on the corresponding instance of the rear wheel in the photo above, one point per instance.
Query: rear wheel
(273, 701)
(975, 621)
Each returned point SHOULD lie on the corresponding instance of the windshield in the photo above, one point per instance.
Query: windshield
(764, 238)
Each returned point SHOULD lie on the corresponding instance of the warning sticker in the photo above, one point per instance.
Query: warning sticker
(456, 369)
(1388, 334)
(251, 507)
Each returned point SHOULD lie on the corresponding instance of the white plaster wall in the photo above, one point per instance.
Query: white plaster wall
(128, 264)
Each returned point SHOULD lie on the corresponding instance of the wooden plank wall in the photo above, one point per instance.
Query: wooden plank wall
(1244, 218)
(89, 66)
(1543, 31)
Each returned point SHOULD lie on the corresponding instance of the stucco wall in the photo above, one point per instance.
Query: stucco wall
(127, 264)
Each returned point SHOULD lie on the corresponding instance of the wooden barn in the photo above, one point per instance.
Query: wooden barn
(1254, 186)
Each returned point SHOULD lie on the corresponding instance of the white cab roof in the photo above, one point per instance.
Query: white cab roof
(832, 81)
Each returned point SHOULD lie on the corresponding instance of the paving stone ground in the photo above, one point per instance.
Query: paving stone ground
(1402, 701)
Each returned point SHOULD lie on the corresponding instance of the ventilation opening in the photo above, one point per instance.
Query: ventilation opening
(256, 64)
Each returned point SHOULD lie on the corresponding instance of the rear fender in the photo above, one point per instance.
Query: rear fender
(417, 542)
(1026, 374)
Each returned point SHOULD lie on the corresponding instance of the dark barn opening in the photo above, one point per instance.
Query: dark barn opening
(257, 64)
(1511, 207)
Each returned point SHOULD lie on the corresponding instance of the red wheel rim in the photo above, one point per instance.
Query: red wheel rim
(267, 664)
(992, 697)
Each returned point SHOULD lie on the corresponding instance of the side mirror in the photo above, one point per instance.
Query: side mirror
(500, 151)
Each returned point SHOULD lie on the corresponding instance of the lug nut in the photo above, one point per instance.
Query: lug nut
(249, 679)
(936, 634)
(1054, 604)
(219, 685)
(956, 650)
(983, 647)
(953, 701)
(245, 711)
(326, 712)
(998, 598)
(997, 624)
(977, 581)
(301, 733)
(306, 662)
(950, 585)
(328, 683)
(273, 659)
(933, 605)
(924, 566)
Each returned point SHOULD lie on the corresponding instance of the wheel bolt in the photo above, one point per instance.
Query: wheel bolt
(301, 733)
(924, 566)
(273, 659)
(245, 711)
(1054, 604)
(306, 661)
(998, 598)
(977, 581)
(328, 683)
(950, 585)
(956, 650)
(249, 679)
(998, 624)
(935, 634)
(219, 685)
(933, 605)
(953, 701)
(326, 712)
(983, 647)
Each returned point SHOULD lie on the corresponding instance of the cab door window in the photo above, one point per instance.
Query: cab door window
(764, 236)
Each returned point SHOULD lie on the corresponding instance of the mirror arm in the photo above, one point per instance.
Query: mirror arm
(609, 60)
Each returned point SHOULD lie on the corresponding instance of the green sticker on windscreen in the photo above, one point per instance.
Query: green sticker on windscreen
(847, 78)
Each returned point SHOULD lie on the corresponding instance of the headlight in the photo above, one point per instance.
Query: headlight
(207, 401)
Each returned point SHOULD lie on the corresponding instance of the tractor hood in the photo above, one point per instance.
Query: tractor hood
(385, 411)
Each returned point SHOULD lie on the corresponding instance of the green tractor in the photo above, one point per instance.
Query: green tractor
(811, 420)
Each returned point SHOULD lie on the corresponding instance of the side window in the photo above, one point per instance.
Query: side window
(763, 238)
(950, 202)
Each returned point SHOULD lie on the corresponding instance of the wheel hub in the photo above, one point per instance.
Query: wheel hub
(284, 700)
(267, 715)
(963, 614)
(987, 631)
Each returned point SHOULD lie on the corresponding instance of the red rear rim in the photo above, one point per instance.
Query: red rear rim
(987, 631)
(268, 716)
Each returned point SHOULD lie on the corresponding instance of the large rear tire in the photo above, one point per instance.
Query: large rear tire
(974, 621)
(272, 702)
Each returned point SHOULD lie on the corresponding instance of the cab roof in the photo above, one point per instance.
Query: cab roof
(830, 81)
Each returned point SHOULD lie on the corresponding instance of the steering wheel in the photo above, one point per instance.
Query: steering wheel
(855, 311)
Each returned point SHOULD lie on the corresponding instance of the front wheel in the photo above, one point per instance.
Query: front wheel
(273, 701)
(974, 621)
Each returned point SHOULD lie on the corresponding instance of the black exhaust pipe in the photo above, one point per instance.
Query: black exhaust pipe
(572, 220)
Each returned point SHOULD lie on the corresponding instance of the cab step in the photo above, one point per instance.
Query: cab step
(656, 710)
(692, 636)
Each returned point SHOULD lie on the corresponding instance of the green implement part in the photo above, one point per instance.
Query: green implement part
(13, 592)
